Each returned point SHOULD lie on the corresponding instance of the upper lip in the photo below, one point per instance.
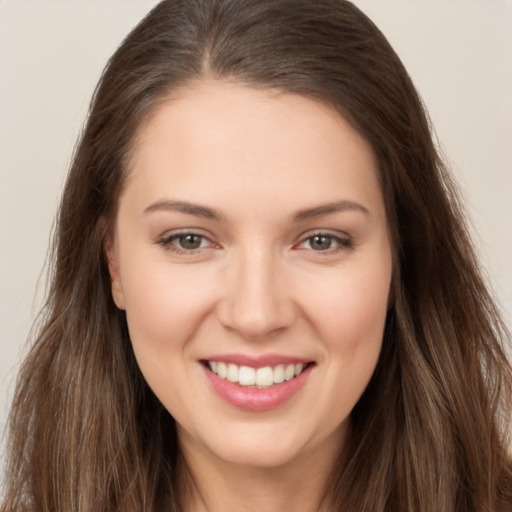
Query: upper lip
(256, 361)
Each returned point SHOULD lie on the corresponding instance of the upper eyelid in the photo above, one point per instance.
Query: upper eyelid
(327, 232)
(184, 231)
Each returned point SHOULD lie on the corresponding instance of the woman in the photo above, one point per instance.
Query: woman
(264, 294)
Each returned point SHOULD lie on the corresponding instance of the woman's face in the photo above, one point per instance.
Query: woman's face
(252, 257)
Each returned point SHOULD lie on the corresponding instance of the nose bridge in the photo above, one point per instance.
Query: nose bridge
(256, 303)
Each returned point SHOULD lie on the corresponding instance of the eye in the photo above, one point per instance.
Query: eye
(190, 241)
(185, 242)
(320, 242)
(325, 242)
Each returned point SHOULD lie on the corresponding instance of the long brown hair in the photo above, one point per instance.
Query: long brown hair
(430, 432)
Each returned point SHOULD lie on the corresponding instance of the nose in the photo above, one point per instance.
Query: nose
(256, 302)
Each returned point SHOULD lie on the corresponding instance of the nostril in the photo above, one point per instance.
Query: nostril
(255, 322)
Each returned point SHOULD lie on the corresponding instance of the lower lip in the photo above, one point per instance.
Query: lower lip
(252, 399)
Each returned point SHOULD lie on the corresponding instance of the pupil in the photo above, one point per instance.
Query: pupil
(190, 241)
(320, 242)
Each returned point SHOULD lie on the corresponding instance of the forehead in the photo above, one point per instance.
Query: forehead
(214, 139)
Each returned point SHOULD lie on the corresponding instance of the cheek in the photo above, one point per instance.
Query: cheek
(351, 320)
(164, 308)
(351, 309)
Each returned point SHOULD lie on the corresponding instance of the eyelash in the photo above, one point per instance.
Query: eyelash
(168, 243)
(342, 243)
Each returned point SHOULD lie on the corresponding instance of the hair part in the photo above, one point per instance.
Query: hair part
(430, 431)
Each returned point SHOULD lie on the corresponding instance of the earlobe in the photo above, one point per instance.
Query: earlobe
(113, 268)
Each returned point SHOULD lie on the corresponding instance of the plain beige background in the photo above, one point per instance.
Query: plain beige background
(458, 52)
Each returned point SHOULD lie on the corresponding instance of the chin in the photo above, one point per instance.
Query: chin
(257, 456)
(263, 445)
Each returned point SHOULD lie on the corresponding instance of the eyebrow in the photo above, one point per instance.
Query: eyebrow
(185, 207)
(325, 209)
(210, 213)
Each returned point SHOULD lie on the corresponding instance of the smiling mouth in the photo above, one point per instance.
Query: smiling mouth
(256, 378)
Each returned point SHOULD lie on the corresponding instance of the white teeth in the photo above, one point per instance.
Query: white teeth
(232, 373)
(289, 372)
(261, 377)
(222, 370)
(264, 376)
(279, 374)
(247, 376)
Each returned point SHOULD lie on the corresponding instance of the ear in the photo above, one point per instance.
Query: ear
(113, 267)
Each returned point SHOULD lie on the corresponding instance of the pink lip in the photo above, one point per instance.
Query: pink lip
(256, 362)
(252, 399)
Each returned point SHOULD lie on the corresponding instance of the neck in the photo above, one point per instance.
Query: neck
(212, 485)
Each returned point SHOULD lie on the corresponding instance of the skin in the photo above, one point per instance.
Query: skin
(256, 284)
